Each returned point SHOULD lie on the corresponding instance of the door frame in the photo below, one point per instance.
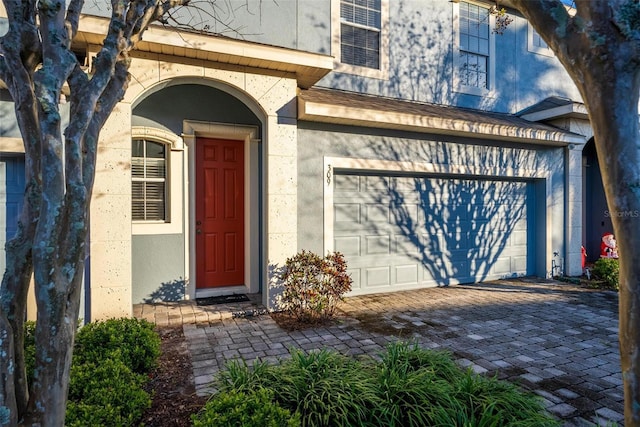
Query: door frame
(192, 131)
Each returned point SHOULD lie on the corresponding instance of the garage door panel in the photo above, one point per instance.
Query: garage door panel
(407, 244)
(519, 264)
(376, 245)
(347, 212)
(349, 245)
(406, 274)
(378, 277)
(419, 231)
(346, 183)
(502, 266)
(376, 183)
(377, 212)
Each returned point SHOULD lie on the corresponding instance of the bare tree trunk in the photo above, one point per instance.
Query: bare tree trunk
(613, 109)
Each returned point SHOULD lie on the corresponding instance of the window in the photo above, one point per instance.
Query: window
(473, 65)
(360, 37)
(148, 180)
(536, 44)
(360, 26)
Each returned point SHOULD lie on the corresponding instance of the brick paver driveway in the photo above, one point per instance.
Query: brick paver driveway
(555, 339)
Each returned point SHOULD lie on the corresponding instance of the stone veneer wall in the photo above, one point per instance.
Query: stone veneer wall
(272, 97)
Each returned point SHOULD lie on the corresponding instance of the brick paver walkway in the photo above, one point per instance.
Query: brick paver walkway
(555, 339)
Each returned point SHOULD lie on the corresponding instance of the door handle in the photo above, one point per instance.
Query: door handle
(198, 231)
(198, 222)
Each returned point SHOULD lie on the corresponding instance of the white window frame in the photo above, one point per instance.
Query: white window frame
(173, 182)
(491, 68)
(383, 72)
(532, 46)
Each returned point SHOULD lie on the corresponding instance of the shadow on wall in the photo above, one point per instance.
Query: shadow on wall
(461, 228)
(172, 291)
(276, 285)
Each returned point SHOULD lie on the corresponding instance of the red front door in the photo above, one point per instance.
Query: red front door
(219, 213)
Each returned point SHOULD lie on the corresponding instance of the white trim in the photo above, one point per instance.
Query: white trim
(192, 130)
(383, 72)
(331, 164)
(329, 113)
(546, 51)
(573, 109)
(491, 72)
(11, 145)
(174, 222)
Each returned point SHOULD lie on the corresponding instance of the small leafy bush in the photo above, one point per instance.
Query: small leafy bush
(131, 340)
(608, 269)
(105, 393)
(108, 371)
(255, 409)
(313, 285)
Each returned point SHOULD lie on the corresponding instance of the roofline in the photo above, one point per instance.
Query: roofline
(574, 110)
(337, 114)
(307, 67)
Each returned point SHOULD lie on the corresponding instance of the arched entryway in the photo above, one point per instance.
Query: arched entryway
(177, 253)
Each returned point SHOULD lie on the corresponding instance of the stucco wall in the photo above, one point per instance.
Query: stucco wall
(318, 140)
(158, 268)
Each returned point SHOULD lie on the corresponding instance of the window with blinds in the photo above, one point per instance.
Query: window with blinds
(360, 32)
(148, 180)
(473, 67)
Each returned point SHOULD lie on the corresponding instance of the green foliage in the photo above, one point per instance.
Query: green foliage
(255, 409)
(131, 340)
(29, 348)
(608, 269)
(411, 382)
(110, 363)
(106, 393)
(409, 386)
(324, 387)
(313, 286)
(483, 401)
(627, 18)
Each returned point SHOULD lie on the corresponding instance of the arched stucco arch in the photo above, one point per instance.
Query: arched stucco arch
(226, 87)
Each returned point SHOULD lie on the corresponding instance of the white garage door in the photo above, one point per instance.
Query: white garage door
(405, 232)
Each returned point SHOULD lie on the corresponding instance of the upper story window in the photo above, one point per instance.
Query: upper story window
(360, 26)
(535, 43)
(148, 180)
(360, 37)
(473, 66)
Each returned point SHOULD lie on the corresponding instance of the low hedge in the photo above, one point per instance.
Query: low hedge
(110, 366)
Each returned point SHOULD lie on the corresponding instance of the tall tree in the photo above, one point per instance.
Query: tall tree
(36, 62)
(599, 46)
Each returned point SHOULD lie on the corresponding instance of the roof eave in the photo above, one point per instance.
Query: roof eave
(308, 68)
(344, 115)
(573, 110)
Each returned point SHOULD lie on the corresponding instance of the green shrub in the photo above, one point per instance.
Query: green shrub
(131, 340)
(256, 409)
(409, 386)
(324, 387)
(105, 393)
(485, 401)
(313, 285)
(110, 363)
(608, 269)
(412, 382)
(29, 348)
